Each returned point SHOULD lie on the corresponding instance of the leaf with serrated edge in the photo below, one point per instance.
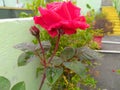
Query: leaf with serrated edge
(77, 67)
(25, 46)
(53, 73)
(67, 53)
(24, 58)
(56, 61)
(32, 47)
(87, 53)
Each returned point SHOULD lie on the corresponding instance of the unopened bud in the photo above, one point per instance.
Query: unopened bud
(34, 31)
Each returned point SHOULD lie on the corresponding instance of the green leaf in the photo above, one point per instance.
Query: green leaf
(85, 53)
(46, 45)
(28, 47)
(4, 83)
(56, 61)
(88, 6)
(53, 74)
(39, 70)
(19, 86)
(67, 53)
(24, 58)
(77, 67)
(25, 46)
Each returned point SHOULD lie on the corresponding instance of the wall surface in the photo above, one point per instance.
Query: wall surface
(95, 4)
(12, 32)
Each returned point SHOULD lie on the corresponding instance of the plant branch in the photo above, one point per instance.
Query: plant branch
(37, 54)
(43, 52)
(56, 47)
(43, 79)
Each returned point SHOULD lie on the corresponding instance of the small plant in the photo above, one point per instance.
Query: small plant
(34, 7)
(102, 25)
(90, 16)
(63, 51)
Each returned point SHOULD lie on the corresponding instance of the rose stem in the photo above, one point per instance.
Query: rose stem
(43, 52)
(43, 79)
(56, 47)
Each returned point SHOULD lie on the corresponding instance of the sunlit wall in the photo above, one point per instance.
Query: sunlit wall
(95, 4)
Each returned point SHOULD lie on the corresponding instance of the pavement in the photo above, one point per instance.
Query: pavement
(108, 79)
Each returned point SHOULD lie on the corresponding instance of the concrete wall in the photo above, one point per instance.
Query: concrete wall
(95, 4)
(12, 32)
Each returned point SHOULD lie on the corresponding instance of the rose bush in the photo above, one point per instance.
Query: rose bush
(69, 67)
(61, 16)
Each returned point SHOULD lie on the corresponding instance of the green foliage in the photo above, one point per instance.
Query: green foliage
(75, 82)
(77, 67)
(116, 4)
(67, 53)
(85, 53)
(34, 7)
(39, 70)
(81, 38)
(56, 61)
(70, 60)
(53, 73)
(89, 81)
(88, 6)
(102, 25)
(94, 45)
(30, 50)
(90, 17)
(24, 58)
(19, 86)
(4, 83)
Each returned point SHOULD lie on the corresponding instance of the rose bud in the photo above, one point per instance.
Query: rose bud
(34, 31)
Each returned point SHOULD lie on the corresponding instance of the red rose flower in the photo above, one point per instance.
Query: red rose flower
(61, 16)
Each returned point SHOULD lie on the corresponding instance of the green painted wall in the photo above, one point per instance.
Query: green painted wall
(12, 32)
(95, 4)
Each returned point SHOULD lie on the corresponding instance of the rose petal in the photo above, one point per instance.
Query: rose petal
(40, 21)
(47, 19)
(53, 33)
(53, 6)
(73, 10)
(81, 25)
(63, 11)
(82, 19)
(61, 16)
(69, 31)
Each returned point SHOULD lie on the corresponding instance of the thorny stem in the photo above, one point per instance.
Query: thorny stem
(43, 52)
(56, 47)
(36, 53)
(44, 63)
(44, 59)
(43, 79)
